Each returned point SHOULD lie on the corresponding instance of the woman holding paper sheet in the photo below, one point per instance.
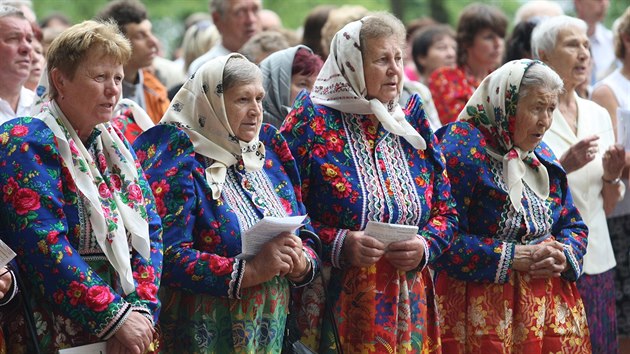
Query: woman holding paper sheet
(364, 158)
(216, 171)
(582, 137)
(508, 281)
(76, 207)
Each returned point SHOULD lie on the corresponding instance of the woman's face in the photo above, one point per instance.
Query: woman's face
(37, 64)
(486, 49)
(89, 98)
(300, 82)
(534, 114)
(383, 68)
(243, 105)
(570, 57)
(443, 52)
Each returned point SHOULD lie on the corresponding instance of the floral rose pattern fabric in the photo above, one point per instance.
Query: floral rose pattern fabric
(354, 171)
(482, 302)
(205, 309)
(74, 292)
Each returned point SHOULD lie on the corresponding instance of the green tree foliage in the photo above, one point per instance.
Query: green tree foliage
(168, 15)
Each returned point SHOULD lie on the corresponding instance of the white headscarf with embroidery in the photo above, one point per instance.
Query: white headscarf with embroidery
(199, 109)
(341, 85)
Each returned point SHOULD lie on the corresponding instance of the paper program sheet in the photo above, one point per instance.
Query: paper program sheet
(388, 233)
(266, 229)
(6, 254)
(96, 348)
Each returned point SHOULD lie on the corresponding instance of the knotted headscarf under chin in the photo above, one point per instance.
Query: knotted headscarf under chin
(341, 85)
(492, 109)
(199, 109)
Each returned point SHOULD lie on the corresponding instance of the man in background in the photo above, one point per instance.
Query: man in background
(139, 85)
(237, 22)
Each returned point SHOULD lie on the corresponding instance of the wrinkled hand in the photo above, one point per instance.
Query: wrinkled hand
(405, 255)
(549, 260)
(277, 257)
(5, 282)
(134, 336)
(614, 162)
(361, 250)
(543, 260)
(580, 153)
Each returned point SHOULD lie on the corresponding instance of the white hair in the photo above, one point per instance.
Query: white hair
(540, 76)
(545, 35)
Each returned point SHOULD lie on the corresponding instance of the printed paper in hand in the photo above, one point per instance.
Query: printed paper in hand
(388, 233)
(6, 254)
(96, 348)
(266, 229)
(623, 127)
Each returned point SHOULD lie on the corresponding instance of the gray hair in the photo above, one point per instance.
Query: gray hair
(540, 76)
(379, 25)
(7, 10)
(219, 6)
(545, 35)
(240, 71)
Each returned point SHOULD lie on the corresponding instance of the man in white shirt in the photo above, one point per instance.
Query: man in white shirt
(593, 13)
(237, 21)
(16, 35)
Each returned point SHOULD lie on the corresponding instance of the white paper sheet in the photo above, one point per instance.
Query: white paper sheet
(266, 229)
(388, 233)
(6, 254)
(96, 348)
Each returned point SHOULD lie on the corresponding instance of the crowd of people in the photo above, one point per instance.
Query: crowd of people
(458, 190)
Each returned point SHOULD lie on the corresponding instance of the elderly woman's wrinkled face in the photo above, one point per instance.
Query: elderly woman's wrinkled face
(534, 114)
(383, 68)
(243, 105)
(90, 97)
(570, 57)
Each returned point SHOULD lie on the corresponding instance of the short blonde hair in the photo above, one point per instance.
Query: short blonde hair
(71, 47)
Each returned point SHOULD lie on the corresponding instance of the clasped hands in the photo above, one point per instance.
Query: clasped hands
(361, 250)
(281, 256)
(543, 260)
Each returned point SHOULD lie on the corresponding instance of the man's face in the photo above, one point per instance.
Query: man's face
(239, 22)
(16, 36)
(143, 42)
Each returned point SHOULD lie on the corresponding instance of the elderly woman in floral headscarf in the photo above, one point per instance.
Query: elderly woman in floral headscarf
(508, 281)
(362, 157)
(216, 171)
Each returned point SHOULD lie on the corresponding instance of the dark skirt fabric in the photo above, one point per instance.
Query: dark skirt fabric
(598, 295)
(619, 228)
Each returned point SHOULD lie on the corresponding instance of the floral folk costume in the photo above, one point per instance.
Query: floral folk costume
(210, 188)
(507, 197)
(354, 171)
(74, 213)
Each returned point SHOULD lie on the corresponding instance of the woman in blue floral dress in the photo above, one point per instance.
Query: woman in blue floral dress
(215, 174)
(507, 285)
(364, 158)
(76, 207)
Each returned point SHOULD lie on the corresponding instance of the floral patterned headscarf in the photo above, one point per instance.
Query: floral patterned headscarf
(199, 109)
(492, 109)
(115, 204)
(341, 85)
